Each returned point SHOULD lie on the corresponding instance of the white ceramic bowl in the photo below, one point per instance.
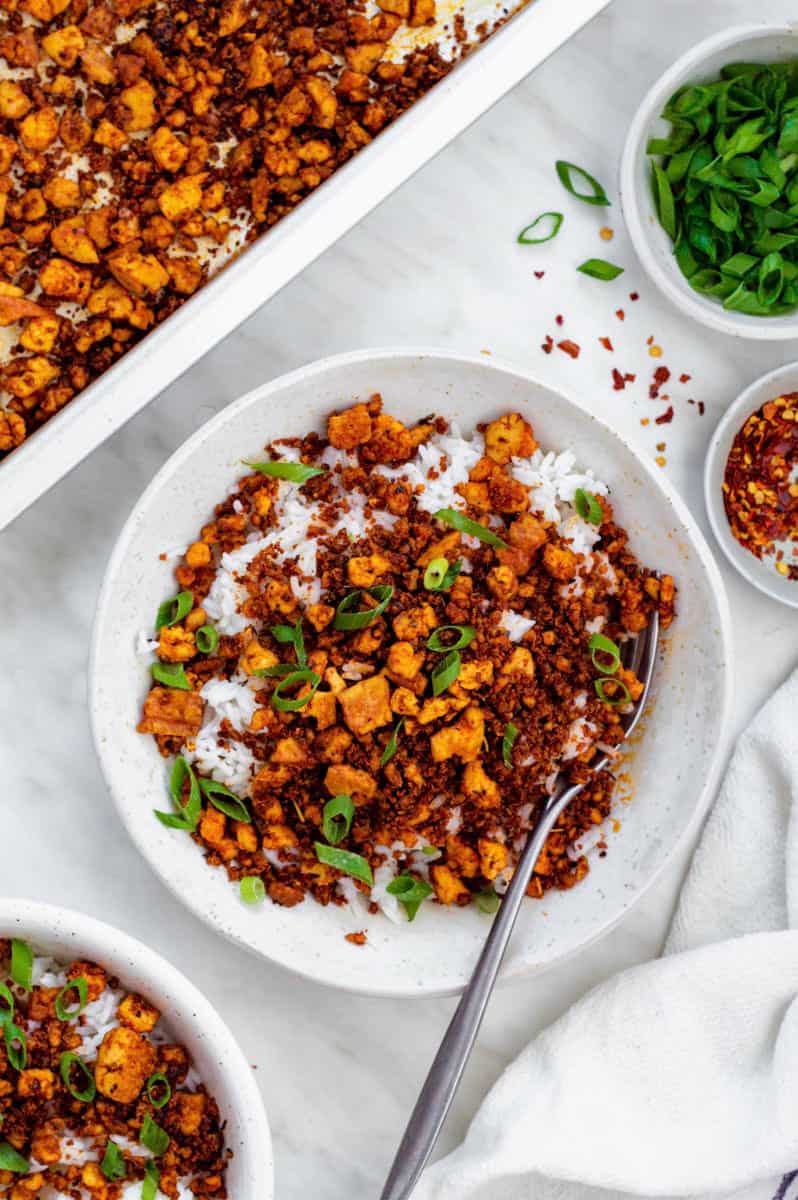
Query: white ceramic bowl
(762, 575)
(192, 1020)
(673, 768)
(752, 43)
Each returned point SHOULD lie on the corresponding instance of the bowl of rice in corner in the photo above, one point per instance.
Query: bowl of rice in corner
(139, 1089)
(343, 791)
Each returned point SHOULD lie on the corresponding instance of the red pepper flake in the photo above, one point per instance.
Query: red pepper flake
(629, 377)
(606, 343)
(701, 408)
(357, 939)
(539, 274)
(634, 296)
(620, 314)
(685, 378)
(548, 345)
(559, 318)
(661, 377)
(666, 417)
(569, 347)
(618, 381)
(650, 340)
(645, 421)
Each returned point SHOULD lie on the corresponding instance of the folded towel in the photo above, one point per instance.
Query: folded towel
(678, 1077)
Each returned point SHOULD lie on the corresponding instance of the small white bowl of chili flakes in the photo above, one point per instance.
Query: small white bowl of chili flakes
(751, 484)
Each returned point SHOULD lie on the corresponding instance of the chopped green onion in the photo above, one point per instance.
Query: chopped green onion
(11, 1160)
(226, 801)
(70, 1061)
(152, 1177)
(435, 574)
(16, 1045)
(79, 985)
(171, 675)
(337, 818)
(565, 170)
(285, 704)
(276, 672)
(7, 1007)
(588, 507)
(508, 741)
(346, 619)
(430, 850)
(392, 744)
(21, 964)
(153, 1137)
(410, 892)
(600, 685)
(252, 889)
(174, 610)
(187, 814)
(603, 646)
(487, 901)
(207, 639)
(599, 268)
(344, 860)
(450, 516)
(446, 672)
(556, 219)
(113, 1165)
(292, 635)
(159, 1090)
(466, 635)
(294, 472)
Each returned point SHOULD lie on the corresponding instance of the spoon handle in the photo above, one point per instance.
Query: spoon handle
(444, 1076)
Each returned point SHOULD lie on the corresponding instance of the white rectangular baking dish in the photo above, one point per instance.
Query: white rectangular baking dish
(471, 88)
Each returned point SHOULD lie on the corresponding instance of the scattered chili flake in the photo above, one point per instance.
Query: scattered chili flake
(618, 381)
(620, 314)
(655, 351)
(660, 446)
(701, 408)
(548, 345)
(685, 378)
(760, 484)
(539, 274)
(486, 352)
(357, 939)
(660, 378)
(559, 318)
(606, 234)
(660, 460)
(630, 377)
(666, 417)
(569, 347)
(645, 421)
(606, 343)
(650, 340)
(634, 295)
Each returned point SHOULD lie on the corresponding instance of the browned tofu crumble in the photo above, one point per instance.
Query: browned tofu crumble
(142, 142)
(55, 1133)
(449, 788)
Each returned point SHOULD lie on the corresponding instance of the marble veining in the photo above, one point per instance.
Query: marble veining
(435, 265)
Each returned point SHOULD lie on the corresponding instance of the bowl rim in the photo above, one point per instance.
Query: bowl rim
(712, 315)
(77, 932)
(415, 354)
(737, 412)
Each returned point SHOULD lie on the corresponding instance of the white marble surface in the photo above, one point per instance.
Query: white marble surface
(436, 265)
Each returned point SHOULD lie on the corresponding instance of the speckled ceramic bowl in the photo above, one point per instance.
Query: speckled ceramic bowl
(672, 770)
(193, 1021)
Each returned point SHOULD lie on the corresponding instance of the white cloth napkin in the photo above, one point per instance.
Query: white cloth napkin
(678, 1077)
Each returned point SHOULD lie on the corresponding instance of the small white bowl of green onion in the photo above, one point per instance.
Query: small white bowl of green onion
(709, 182)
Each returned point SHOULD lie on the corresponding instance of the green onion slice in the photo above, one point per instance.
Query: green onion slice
(446, 672)
(588, 507)
(465, 636)
(207, 639)
(599, 268)
(7, 1005)
(63, 1010)
(275, 672)
(435, 574)
(292, 635)
(21, 964)
(294, 472)
(252, 890)
(69, 1063)
(345, 861)
(600, 685)
(153, 1137)
(113, 1165)
(601, 649)
(337, 818)
(392, 744)
(450, 516)
(159, 1090)
(565, 172)
(16, 1045)
(152, 1177)
(187, 814)
(288, 704)
(508, 741)
(174, 610)
(171, 675)
(346, 619)
(11, 1160)
(554, 220)
(487, 901)
(430, 850)
(410, 892)
(226, 801)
